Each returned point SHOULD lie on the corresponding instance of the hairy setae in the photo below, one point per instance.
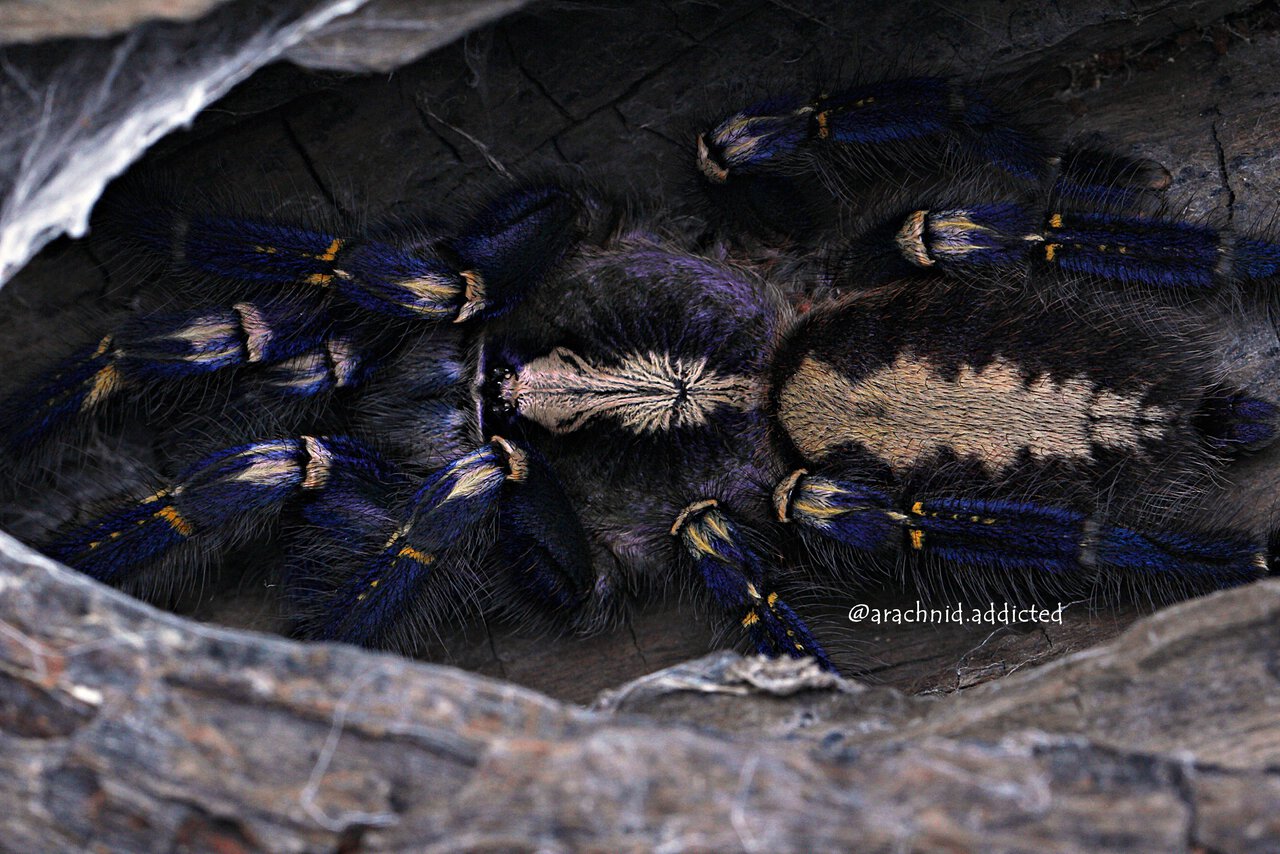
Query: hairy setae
(907, 332)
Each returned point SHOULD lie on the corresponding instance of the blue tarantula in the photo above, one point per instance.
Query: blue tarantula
(907, 333)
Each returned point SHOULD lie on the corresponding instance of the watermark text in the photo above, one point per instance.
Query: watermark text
(994, 614)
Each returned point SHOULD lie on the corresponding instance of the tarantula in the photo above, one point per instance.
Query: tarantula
(908, 333)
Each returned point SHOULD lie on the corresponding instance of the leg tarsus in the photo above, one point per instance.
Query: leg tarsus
(506, 250)
(542, 540)
(1007, 535)
(1094, 178)
(218, 498)
(788, 169)
(368, 597)
(736, 580)
(299, 347)
(513, 244)
(1234, 422)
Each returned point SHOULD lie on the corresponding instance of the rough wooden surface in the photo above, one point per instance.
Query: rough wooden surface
(51, 19)
(124, 728)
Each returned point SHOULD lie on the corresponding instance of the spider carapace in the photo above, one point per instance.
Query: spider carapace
(896, 330)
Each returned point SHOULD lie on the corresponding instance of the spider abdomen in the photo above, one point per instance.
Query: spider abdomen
(908, 411)
(909, 379)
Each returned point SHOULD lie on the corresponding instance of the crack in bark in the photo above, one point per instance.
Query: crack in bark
(408, 97)
(800, 13)
(494, 163)
(626, 124)
(425, 119)
(1222, 166)
(529, 76)
(1184, 790)
(678, 26)
(635, 643)
(313, 170)
(627, 93)
(564, 158)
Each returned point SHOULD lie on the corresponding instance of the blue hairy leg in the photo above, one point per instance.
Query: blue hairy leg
(845, 164)
(1090, 178)
(366, 590)
(287, 336)
(735, 578)
(1002, 233)
(1155, 252)
(865, 124)
(1007, 535)
(1120, 249)
(373, 564)
(795, 169)
(305, 341)
(483, 271)
(215, 501)
(541, 539)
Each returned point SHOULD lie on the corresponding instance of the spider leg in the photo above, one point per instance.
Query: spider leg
(881, 123)
(1093, 178)
(735, 578)
(345, 359)
(294, 338)
(365, 595)
(481, 272)
(1119, 249)
(419, 553)
(541, 539)
(219, 500)
(797, 169)
(1155, 252)
(1007, 534)
(899, 152)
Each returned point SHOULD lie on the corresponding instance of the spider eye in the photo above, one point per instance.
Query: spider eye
(498, 409)
(496, 393)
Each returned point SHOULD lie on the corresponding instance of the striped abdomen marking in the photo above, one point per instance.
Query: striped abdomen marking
(643, 392)
(907, 411)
